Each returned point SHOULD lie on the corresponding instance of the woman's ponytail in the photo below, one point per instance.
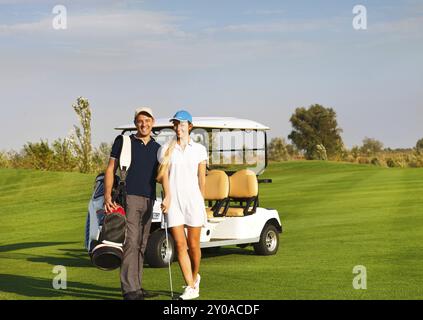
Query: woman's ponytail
(165, 162)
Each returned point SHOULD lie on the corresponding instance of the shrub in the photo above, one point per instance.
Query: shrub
(277, 149)
(321, 152)
(355, 152)
(350, 158)
(38, 155)
(63, 158)
(4, 160)
(377, 162)
(363, 160)
(371, 146)
(101, 157)
(391, 163)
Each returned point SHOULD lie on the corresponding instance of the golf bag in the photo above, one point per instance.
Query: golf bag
(106, 232)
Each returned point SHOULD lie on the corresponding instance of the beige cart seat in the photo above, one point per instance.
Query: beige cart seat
(243, 187)
(217, 190)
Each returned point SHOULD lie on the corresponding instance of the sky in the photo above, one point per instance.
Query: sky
(257, 60)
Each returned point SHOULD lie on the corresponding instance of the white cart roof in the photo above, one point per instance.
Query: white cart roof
(209, 123)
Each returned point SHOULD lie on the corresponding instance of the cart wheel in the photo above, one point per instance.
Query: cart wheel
(157, 254)
(269, 241)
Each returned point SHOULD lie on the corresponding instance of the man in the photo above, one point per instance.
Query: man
(140, 197)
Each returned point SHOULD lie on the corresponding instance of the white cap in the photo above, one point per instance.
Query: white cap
(143, 109)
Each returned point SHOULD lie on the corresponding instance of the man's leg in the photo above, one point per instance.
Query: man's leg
(145, 225)
(129, 271)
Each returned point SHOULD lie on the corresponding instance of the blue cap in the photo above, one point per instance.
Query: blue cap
(182, 115)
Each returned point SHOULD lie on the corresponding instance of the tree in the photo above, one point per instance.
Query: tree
(101, 156)
(316, 132)
(38, 155)
(4, 160)
(419, 146)
(292, 150)
(278, 150)
(371, 146)
(64, 159)
(81, 138)
(355, 152)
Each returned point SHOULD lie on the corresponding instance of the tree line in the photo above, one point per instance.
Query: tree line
(317, 136)
(74, 153)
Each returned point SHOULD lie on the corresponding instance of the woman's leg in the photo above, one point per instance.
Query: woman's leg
(194, 249)
(178, 235)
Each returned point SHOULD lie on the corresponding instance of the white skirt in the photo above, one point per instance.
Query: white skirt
(187, 210)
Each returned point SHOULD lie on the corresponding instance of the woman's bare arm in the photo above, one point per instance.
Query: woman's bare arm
(166, 190)
(202, 177)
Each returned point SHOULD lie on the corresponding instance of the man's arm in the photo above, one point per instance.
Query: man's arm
(109, 177)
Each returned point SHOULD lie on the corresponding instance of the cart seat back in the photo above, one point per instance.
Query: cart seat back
(217, 189)
(217, 185)
(243, 187)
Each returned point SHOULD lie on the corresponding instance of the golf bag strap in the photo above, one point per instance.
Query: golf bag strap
(124, 164)
(125, 154)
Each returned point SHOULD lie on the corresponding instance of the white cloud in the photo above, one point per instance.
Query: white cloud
(208, 53)
(104, 25)
(265, 12)
(280, 26)
(27, 28)
(409, 25)
(140, 40)
(103, 3)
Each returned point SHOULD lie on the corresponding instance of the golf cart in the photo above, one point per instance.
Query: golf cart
(237, 157)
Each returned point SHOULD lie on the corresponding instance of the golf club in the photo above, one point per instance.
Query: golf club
(168, 252)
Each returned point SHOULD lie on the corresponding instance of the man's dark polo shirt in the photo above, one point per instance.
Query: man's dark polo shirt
(141, 176)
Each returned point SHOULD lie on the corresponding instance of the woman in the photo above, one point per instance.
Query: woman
(183, 168)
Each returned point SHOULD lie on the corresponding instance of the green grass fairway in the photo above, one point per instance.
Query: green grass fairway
(335, 216)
